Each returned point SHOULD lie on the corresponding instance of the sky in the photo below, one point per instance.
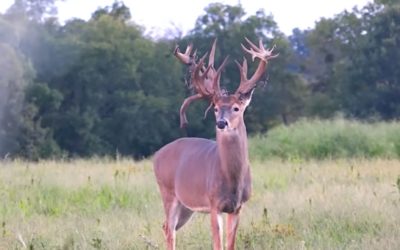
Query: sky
(158, 16)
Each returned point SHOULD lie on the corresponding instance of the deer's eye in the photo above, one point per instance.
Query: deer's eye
(236, 109)
(215, 110)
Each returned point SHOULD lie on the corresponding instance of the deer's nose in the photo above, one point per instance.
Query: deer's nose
(221, 124)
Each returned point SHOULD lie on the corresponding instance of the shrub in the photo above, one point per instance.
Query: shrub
(322, 139)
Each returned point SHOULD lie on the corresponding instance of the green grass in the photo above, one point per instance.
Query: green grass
(107, 204)
(328, 139)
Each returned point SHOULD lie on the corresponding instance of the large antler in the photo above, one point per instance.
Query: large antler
(204, 80)
(247, 85)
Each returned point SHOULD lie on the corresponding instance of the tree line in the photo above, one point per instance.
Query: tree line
(104, 87)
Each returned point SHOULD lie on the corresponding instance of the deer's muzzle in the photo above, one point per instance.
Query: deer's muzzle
(221, 124)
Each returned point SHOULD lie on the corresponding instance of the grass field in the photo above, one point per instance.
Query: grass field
(115, 204)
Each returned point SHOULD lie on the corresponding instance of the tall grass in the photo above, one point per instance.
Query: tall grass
(328, 139)
(105, 204)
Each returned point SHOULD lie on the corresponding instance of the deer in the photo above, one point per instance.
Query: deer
(207, 176)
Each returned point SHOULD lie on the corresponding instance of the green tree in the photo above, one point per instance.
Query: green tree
(371, 74)
(351, 65)
(319, 52)
(108, 87)
(36, 10)
(118, 10)
(14, 76)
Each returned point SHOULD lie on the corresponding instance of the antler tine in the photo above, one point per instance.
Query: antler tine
(194, 54)
(242, 69)
(250, 51)
(246, 49)
(205, 74)
(217, 77)
(253, 46)
(222, 66)
(260, 43)
(199, 66)
(189, 49)
(260, 52)
(212, 53)
(184, 57)
(199, 77)
(270, 52)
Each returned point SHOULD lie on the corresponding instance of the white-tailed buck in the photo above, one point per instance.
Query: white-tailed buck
(200, 175)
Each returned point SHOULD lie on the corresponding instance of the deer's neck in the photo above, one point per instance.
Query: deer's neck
(233, 153)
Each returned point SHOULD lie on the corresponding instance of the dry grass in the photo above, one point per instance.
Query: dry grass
(107, 204)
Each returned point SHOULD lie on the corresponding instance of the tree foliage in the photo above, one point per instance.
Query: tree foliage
(351, 63)
(102, 87)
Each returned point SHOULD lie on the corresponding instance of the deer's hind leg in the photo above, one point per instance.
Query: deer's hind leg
(176, 215)
(170, 203)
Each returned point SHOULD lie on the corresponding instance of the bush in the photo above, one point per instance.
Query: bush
(322, 139)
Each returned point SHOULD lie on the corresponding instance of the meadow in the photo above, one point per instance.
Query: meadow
(115, 204)
(310, 197)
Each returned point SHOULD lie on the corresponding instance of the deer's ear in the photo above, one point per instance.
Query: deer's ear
(245, 98)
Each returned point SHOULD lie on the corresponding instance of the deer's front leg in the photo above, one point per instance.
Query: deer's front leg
(232, 222)
(216, 227)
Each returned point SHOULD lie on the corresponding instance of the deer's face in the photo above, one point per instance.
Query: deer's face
(229, 111)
